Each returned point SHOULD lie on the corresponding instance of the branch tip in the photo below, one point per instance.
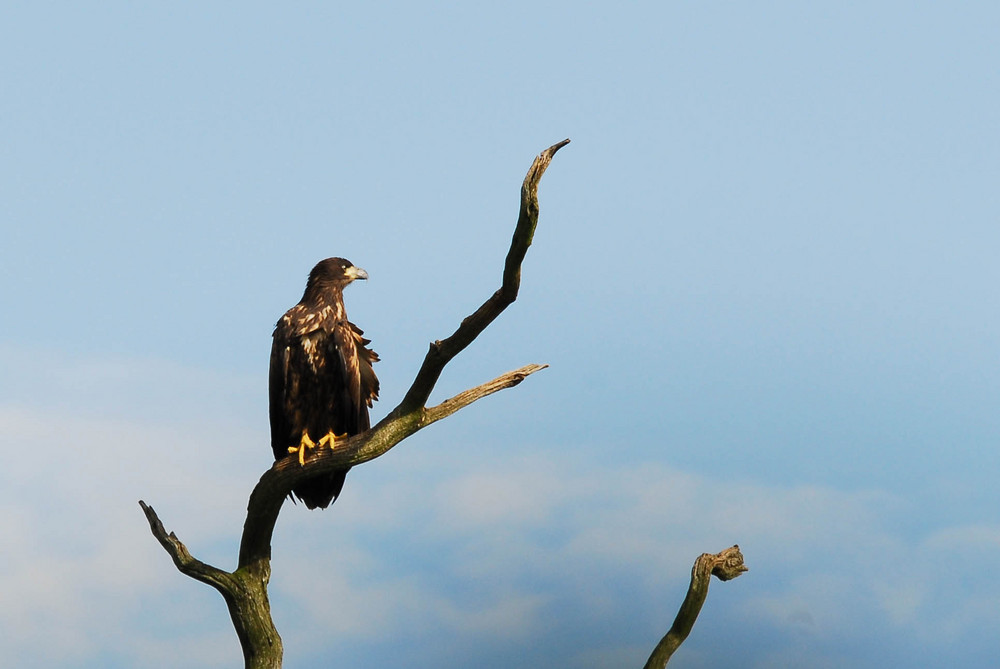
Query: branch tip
(555, 147)
(725, 565)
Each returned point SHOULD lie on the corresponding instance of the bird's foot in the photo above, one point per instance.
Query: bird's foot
(305, 443)
(330, 438)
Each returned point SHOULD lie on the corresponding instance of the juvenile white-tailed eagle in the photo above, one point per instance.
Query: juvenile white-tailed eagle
(321, 379)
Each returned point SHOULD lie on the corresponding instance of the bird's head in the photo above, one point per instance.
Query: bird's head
(334, 273)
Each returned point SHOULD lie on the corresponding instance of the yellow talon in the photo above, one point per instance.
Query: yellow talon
(329, 439)
(305, 443)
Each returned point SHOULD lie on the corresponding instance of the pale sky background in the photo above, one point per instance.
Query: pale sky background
(765, 279)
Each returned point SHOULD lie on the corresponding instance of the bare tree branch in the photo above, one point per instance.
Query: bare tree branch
(725, 566)
(411, 414)
(464, 399)
(183, 559)
(272, 489)
(245, 593)
(441, 352)
(245, 590)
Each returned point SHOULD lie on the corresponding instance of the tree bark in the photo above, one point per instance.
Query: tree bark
(245, 590)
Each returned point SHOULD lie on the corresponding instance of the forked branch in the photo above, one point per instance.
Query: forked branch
(245, 590)
(411, 414)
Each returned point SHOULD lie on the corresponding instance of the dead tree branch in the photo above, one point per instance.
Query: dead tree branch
(725, 566)
(245, 590)
(245, 593)
(441, 352)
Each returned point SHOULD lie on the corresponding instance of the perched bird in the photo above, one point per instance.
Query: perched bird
(321, 378)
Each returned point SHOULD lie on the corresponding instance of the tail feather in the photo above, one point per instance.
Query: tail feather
(321, 491)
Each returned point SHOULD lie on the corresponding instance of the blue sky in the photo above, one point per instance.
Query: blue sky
(764, 280)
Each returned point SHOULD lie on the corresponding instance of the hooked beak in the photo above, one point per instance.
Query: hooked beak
(357, 273)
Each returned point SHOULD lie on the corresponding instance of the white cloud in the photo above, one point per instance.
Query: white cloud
(826, 566)
(441, 557)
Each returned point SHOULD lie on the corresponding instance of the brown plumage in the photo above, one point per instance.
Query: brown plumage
(321, 378)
